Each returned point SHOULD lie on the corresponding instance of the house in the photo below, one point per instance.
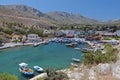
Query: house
(117, 33)
(15, 37)
(59, 34)
(48, 31)
(24, 38)
(33, 38)
(108, 34)
(105, 34)
(79, 33)
(91, 32)
(100, 33)
(69, 33)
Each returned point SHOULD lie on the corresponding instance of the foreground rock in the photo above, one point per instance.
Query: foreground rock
(116, 70)
(103, 68)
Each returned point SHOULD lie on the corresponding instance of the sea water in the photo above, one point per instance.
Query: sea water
(52, 55)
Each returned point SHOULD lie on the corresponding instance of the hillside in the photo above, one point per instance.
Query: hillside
(23, 14)
(69, 18)
(31, 16)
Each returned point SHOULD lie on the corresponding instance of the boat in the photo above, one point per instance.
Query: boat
(85, 50)
(38, 69)
(76, 60)
(72, 45)
(79, 49)
(36, 44)
(45, 42)
(74, 64)
(25, 70)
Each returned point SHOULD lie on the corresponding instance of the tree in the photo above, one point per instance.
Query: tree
(54, 75)
(6, 76)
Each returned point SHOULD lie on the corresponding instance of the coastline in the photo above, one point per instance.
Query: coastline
(102, 71)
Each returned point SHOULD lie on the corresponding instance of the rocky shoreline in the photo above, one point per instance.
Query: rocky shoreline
(107, 71)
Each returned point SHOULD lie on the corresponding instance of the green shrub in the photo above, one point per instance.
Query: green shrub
(54, 75)
(6, 76)
(98, 57)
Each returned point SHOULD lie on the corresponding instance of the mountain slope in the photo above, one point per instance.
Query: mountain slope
(69, 18)
(31, 16)
(23, 14)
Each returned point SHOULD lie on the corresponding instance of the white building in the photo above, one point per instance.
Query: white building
(33, 38)
(48, 31)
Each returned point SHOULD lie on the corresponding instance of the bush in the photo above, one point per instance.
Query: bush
(6, 76)
(54, 75)
(98, 57)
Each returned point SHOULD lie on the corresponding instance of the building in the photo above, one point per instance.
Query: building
(48, 31)
(15, 37)
(117, 33)
(59, 34)
(33, 38)
(69, 33)
(108, 35)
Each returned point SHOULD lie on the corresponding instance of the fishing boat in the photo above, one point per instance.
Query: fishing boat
(25, 70)
(38, 69)
(76, 60)
(72, 45)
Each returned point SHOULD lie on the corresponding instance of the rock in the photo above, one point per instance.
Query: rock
(103, 68)
(92, 75)
(116, 70)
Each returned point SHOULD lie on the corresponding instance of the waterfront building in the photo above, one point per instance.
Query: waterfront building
(33, 38)
(15, 37)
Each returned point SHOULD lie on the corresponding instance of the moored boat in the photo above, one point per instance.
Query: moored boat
(25, 70)
(76, 60)
(38, 69)
(77, 49)
(85, 50)
(74, 64)
(36, 44)
(72, 45)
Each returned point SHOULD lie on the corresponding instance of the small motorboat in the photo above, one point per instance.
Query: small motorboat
(76, 60)
(38, 69)
(25, 70)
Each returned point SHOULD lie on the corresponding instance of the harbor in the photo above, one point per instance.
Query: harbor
(45, 56)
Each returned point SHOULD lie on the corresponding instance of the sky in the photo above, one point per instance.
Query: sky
(97, 9)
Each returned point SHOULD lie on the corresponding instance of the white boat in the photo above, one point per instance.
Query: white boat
(74, 65)
(76, 60)
(25, 70)
(72, 45)
(77, 48)
(38, 69)
(36, 44)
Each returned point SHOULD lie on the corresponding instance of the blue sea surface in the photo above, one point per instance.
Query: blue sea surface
(52, 55)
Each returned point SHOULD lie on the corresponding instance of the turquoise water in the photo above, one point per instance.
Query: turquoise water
(53, 55)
